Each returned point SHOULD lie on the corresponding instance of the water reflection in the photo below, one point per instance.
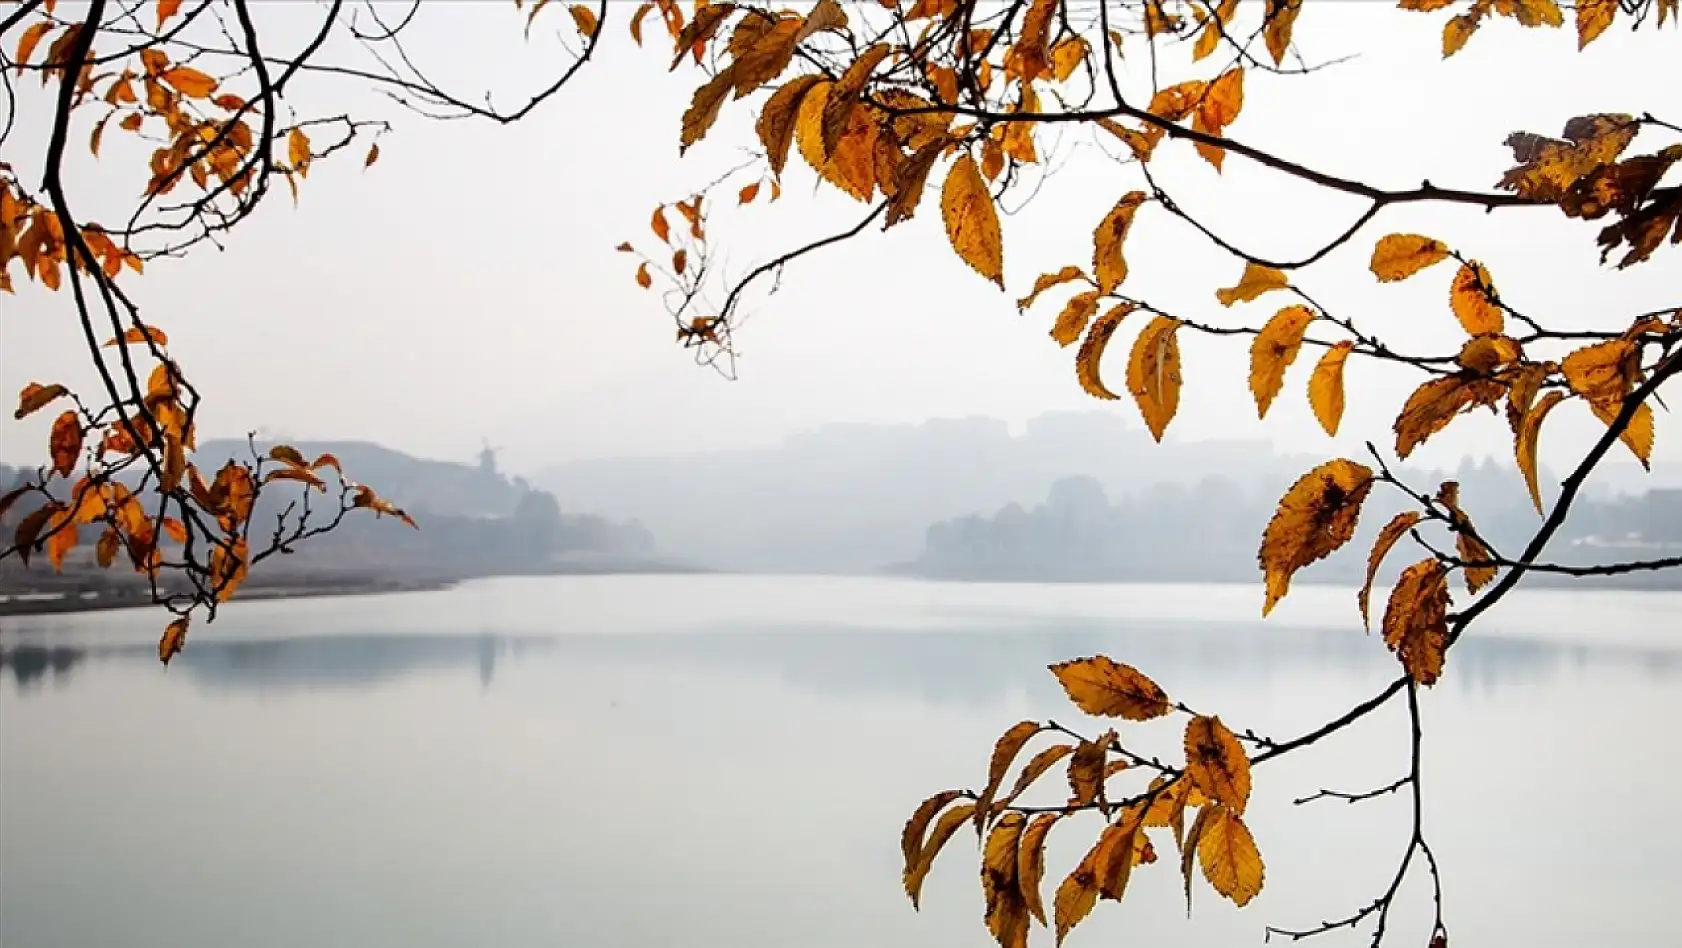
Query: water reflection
(960, 667)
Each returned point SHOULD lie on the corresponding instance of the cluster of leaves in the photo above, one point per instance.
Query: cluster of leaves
(885, 104)
(1213, 783)
(204, 110)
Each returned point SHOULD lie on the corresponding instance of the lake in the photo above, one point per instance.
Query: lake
(709, 761)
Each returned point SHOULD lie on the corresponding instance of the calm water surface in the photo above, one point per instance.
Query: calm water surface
(700, 762)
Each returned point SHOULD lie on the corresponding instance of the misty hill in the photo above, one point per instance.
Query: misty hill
(1210, 531)
(475, 520)
(854, 497)
(857, 498)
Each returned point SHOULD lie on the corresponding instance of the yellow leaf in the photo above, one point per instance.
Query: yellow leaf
(1153, 373)
(1075, 898)
(36, 396)
(1091, 352)
(1218, 108)
(777, 119)
(1424, 6)
(1489, 354)
(1325, 387)
(1116, 853)
(1603, 372)
(1523, 385)
(1188, 852)
(1030, 866)
(1637, 435)
(768, 56)
(1067, 56)
(1086, 768)
(1007, 911)
(1466, 546)
(1272, 352)
(1316, 516)
(972, 223)
(911, 838)
(1458, 30)
(1071, 322)
(1256, 280)
(298, 151)
(1231, 861)
(1436, 403)
(190, 82)
(1108, 264)
(1035, 769)
(1216, 763)
(1400, 256)
(1101, 686)
(1004, 753)
(1281, 18)
(62, 535)
(1381, 546)
(1045, 282)
(1546, 13)
(1593, 17)
(1030, 57)
(1142, 144)
(1416, 620)
(703, 108)
(1212, 29)
(943, 830)
(174, 638)
(1472, 297)
(910, 177)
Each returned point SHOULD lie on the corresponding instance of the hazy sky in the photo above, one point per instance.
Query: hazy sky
(466, 286)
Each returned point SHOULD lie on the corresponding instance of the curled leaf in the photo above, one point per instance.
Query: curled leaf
(1108, 262)
(1398, 527)
(1091, 352)
(1004, 753)
(36, 396)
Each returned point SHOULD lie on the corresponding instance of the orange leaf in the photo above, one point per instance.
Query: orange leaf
(66, 443)
(174, 638)
(1400, 256)
(1091, 351)
(190, 82)
(1004, 752)
(1472, 297)
(643, 279)
(141, 334)
(167, 9)
(36, 396)
(1415, 621)
(298, 151)
(1216, 762)
(373, 154)
(1381, 546)
(1101, 686)
(972, 223)
(658, 223)
(748, 193)
(1272, 352)
(584, 18)
(1256, 280)
(1153, 373)
(1108, 263)
(1281, 18)
(1316, 516)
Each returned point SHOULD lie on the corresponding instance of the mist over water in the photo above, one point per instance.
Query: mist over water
(695, 761)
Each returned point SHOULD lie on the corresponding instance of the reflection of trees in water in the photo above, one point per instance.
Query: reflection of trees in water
(971, 665)
(30, 664)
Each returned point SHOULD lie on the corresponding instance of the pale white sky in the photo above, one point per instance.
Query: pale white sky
(467, 285)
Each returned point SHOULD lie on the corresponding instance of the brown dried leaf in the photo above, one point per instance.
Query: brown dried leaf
(1415, 621)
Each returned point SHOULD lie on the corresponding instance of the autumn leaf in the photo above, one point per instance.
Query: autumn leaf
(1004, 753)
(1593, 17)
(298, 151)
(1007, 911)
(1315, 518)
(1036, 768)
(1115, 855)
(911, 837)
(1231, 861)
(972, 223)
(1212, 29)
(190, 82)
(1216, 764)
(1188, 851)
(748, 193)
(36, 396)
(680, 260)
(1086, 768)
(1071, 322)
(1467, 546)
(658, 224)
(1458, 30)
(373, 155)
(1472, 297)
(777, 119)
(1400, 256)
(1325, 387)
(1045, 282)
(1604, 371)
(1416, 620)
(140, 334)
(1091, 352)
(174, 639)
(1153, 373)
(1281, 18)
(105, 551)
(1108, 264)
(1381, 546)
(1637, 434)
(643, 279)
(65, 442)
(1548, 168)
(1256, 280)
(1075, 898)
(584, 18)
(1030, 865)
(1218, 108)
(1436, 403)
(1273, 350)
(943, 831)
(1107, 688)
(703, 108)
(230, 563)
